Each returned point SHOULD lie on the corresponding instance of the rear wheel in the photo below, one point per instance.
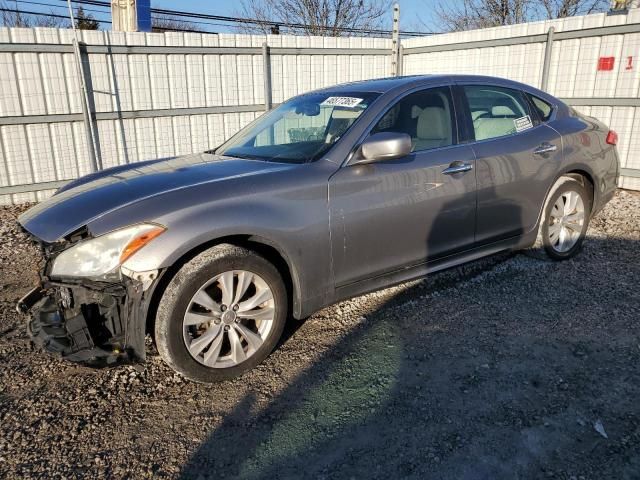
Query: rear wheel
(221, 314)
(564, 222)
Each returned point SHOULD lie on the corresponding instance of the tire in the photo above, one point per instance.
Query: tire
(179, 311)
(548, 245)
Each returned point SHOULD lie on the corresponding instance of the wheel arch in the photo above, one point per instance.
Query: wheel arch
(579, 174)
(256, 243)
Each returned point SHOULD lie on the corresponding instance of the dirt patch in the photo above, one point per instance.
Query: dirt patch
(508, 367)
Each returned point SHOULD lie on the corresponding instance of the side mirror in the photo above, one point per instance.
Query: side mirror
(383, 146)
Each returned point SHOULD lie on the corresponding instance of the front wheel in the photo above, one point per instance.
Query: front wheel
(564, 221)
(221, 314)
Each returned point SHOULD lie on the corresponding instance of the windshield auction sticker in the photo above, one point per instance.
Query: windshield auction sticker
(348, 102)
(523, 123)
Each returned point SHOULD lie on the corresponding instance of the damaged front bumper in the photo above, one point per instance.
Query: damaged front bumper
(95, 323)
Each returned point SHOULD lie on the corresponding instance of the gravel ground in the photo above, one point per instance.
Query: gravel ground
(509, 368)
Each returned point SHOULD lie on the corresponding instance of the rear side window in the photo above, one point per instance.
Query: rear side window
(497, 111)
(543, 109)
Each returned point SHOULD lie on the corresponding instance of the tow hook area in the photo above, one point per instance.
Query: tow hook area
(98, 324)
(27, 302)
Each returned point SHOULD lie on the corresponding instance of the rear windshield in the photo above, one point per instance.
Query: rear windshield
(300, 130)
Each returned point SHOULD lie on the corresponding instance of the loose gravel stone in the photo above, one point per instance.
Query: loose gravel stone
(496, 369)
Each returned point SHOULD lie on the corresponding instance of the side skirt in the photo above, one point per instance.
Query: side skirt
(415, 272)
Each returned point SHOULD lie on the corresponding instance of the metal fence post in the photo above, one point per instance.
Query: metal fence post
(547, 59)
(87, 103)
(395, 41)
(400, 60)
(96, 163)
(266, 68)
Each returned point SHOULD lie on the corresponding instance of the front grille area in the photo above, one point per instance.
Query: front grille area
(80, 325)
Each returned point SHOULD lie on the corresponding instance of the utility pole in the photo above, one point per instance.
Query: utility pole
(131, 15)
(395, 41)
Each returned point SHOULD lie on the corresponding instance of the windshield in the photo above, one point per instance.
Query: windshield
(300, 130)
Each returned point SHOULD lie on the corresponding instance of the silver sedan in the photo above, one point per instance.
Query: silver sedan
(332, 194)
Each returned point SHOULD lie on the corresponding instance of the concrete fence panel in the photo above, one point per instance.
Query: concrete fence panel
(152, 95)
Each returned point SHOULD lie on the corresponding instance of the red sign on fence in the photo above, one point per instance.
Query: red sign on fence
(605, 64)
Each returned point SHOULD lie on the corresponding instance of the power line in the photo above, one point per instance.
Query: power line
(253, 21)
(50, 5)
(42, 14)
(178, 15)
(108, 13)
(99, 12)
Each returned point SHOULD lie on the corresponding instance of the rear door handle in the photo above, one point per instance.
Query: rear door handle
(545, 148)
(457, 167)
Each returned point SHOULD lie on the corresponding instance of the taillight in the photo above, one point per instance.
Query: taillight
(612, 138)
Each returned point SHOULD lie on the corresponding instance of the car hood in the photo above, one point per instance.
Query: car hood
(95, 195)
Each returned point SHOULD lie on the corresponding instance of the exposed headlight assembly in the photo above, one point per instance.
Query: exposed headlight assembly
(99, 258)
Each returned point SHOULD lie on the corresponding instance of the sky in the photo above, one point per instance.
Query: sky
(410, 10)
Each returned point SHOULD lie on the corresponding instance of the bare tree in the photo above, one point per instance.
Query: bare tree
(314, 17)
(11, 16)
(569, 8)
(470, 14)
(165, 23)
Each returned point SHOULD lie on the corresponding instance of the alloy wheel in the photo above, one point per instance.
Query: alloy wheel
(566, 221)
(228, 319)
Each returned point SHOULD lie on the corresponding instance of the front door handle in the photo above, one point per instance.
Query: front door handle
(545, 148)
(457, 167)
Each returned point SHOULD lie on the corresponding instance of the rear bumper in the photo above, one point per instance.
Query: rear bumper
(606, 183)
(94, 324)
(603, 200)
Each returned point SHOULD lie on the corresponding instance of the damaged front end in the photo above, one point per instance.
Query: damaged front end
(97, 323)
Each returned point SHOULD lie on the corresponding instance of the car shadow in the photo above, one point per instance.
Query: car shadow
(489, 370)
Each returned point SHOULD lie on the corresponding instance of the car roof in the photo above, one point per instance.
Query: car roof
(383, 85)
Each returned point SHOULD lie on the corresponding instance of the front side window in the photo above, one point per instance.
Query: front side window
(426, 116)
(496, 111)
(300, 130)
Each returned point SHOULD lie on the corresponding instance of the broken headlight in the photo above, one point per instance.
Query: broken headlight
(99, 257)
